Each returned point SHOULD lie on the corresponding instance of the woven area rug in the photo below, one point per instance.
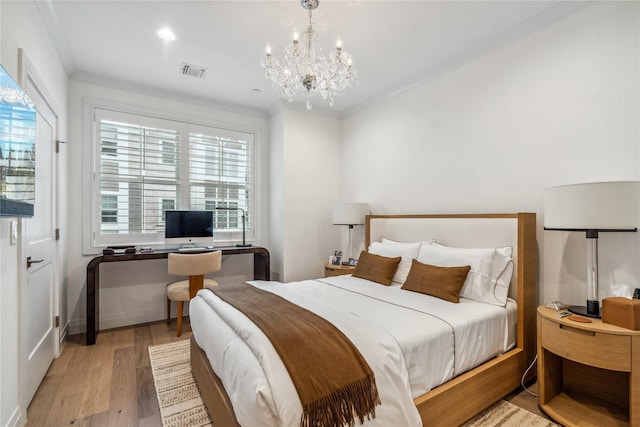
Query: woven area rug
(506, 414)
(177, 391)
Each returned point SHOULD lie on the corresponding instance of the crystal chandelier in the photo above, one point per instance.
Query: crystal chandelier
(306, 69)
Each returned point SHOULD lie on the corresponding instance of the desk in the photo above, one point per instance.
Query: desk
(261, 271)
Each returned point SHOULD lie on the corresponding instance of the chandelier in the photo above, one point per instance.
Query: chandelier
(306, 70)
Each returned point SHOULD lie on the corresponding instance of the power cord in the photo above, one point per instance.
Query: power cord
(535, 359)
(555, 305)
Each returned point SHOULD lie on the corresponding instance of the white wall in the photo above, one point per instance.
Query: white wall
(21, 27)
(12, 412)
(276, 193)
(559, 106)
(306, 183)
(134, 292)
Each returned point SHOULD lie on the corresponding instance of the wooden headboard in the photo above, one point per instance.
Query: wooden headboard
(517, 230)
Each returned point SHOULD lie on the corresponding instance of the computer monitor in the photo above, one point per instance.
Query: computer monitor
(188, 227)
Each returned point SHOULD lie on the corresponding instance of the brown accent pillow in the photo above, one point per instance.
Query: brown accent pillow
(376, 268)
(442, 282)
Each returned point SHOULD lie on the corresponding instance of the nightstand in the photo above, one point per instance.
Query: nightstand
(337, 270)
(588, 373)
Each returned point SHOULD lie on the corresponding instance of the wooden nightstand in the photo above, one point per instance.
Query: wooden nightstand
(588, 373)
(337, 270)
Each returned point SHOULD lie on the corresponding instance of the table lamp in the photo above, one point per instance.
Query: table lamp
(244, 243)
(592, 208)
(350, 214)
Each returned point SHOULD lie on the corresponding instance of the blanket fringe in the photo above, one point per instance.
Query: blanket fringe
(343, 406)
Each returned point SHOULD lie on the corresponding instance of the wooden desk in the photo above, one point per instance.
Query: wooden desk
(261, 271)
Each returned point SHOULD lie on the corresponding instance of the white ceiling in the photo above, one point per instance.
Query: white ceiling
(394, 44)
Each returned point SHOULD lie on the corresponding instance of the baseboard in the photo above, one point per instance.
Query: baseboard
(127, 319)
(16, 419)
(79, 326)
(63, 334)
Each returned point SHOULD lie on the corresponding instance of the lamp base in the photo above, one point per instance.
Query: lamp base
(584, 311)
(243, 245)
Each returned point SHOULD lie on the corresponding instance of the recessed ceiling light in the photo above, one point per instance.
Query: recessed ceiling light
(166, 33)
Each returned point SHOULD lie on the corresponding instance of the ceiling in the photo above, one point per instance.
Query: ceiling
(394, 44)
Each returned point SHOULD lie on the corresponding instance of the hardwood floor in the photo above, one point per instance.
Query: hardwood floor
(110, 384)
(106, 384)
(527, 401)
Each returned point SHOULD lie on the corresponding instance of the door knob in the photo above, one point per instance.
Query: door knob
(34, 261)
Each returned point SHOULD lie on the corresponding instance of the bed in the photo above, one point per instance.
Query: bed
(448, 395)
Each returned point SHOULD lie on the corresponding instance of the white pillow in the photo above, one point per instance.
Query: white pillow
(490, 274)
(408, 251)
(393, 242)
(501, 272)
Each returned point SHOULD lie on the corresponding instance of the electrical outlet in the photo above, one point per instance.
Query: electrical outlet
(13, 233)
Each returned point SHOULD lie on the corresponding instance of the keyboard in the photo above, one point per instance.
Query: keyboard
(195, 249)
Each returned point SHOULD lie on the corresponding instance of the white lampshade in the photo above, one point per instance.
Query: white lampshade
(593, 206)
(350, 213)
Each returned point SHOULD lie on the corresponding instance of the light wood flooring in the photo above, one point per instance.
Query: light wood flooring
(110, 384)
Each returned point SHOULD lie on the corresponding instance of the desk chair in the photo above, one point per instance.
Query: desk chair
(195, 266)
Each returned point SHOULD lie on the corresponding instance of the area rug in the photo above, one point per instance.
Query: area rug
(506, 414)
(178, 394)
(181, 405)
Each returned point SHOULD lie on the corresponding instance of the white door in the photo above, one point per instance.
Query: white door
(39, 334)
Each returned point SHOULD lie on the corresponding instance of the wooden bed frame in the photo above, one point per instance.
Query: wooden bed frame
(463, 397)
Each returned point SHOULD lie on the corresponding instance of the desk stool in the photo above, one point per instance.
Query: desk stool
(195, 266)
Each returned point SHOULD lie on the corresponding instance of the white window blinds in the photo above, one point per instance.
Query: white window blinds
(220, 174)
(146, 165)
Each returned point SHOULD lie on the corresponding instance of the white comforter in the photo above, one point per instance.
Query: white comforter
(407, 339)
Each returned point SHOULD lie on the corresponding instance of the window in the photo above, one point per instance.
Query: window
(147, 165)
(109, 208)
(167, 205)
(220, 169)
(169, 152)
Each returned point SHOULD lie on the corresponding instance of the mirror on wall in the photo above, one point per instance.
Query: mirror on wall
(17, 149)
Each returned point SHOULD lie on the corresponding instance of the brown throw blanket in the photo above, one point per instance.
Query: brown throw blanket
(334, 382)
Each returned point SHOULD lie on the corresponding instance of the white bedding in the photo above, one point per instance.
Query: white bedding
(407, 339)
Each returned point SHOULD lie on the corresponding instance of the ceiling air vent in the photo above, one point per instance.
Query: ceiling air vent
(194, 71)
